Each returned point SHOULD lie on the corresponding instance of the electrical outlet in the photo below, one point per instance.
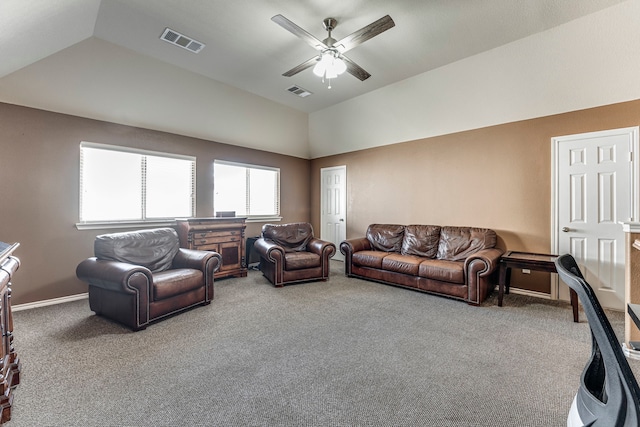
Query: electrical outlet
(526, 271)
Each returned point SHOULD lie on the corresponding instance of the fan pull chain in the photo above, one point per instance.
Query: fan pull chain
(328, 80)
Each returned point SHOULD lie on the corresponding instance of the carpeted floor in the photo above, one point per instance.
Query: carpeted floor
(342, 353)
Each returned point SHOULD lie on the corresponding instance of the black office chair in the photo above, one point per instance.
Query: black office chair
(608, 394)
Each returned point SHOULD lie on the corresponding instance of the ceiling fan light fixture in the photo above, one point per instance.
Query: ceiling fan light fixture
(339, 66)
(330, 65)
(320, 68)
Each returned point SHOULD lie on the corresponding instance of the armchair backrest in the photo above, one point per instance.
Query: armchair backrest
(153, 249)
(293, 237)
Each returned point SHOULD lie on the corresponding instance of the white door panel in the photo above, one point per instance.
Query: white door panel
(595, 191)
(334, 201)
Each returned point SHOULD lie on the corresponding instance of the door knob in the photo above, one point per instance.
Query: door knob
(566, 229)
(342, 219)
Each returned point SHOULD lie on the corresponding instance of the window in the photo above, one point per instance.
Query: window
(120, 184)
(249, 190)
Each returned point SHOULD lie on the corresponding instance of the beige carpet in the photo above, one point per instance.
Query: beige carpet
(342, 353)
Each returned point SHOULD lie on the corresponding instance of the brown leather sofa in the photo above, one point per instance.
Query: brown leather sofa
(457, 262)
(289, 253)
(139, 277)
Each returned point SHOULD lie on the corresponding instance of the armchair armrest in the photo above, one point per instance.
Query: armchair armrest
(321, 247)
(490, 257)
(269, 250)
(205, 261)
(115, 276)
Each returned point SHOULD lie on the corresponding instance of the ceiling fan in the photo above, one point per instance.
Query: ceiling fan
(331, 61)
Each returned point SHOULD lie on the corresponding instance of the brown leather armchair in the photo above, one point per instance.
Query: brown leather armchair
(141, 276)
(289, 254)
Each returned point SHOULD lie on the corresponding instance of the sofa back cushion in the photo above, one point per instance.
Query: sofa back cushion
(154, 249)
(457, 243)
(292, 237)
(386, 237)
(421, 240)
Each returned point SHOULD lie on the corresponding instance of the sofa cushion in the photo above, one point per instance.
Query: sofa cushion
(293, 237)
(446, 271)
(167, 284)
(406, 264)
(457, 243)
(371, 259)
(300, 260)
(386, 237)
(154, 249)
(421, 240)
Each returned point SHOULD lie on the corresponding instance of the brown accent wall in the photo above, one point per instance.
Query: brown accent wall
(497, 177)
(39, 178)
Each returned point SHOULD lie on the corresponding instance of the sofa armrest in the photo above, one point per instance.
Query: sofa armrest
(349, 247)
(205, 261)
(479, 268)
(115, 276)
(321, 247)
(490, 257)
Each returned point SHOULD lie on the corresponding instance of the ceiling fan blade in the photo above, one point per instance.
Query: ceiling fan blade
(295, 70)
(297, 31)
(355, 70)
(364, 34)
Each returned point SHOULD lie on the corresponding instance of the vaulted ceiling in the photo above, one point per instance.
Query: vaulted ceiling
(245, 50)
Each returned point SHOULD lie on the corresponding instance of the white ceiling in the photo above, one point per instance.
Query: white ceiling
(247, 51)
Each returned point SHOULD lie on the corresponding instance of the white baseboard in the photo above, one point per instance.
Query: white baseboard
(53, 301)
(529, 293)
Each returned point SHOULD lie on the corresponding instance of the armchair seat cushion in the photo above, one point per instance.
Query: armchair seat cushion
(371, 259)
(300, 260)
(167, 284)
(446, 271)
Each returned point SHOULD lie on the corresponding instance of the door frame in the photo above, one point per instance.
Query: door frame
(344, 198)
(633, 185)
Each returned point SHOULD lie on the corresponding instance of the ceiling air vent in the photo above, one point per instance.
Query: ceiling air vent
(297, 90)
(181, 40)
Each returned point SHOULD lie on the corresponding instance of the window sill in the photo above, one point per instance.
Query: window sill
(264, 219)
(106, 225)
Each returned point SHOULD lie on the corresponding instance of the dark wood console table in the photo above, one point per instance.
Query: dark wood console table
(222, 235)
(531, 261)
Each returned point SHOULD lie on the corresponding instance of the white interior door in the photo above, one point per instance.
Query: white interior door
(595, 191)
(334, 203)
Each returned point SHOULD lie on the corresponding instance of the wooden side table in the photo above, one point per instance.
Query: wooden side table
(531, 261)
